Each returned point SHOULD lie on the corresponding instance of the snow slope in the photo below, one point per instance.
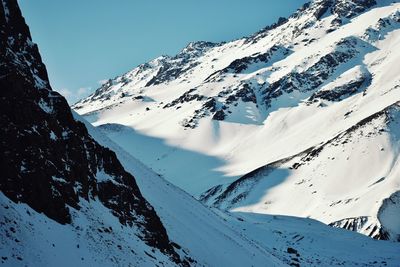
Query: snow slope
(231, 108)
(317, 180)
(215, 112)
(200, 231)
(95, 238)
(207, 234)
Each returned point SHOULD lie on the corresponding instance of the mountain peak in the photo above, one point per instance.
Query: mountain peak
(18, 47)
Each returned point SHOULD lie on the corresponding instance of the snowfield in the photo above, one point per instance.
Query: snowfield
(245, 239)
(210, 236)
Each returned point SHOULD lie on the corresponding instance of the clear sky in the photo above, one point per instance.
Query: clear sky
(83, 42)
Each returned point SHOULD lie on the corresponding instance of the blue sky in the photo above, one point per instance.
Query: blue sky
(83, 42)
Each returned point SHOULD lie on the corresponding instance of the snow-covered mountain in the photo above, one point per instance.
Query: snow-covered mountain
(71, 196)
(301, 118)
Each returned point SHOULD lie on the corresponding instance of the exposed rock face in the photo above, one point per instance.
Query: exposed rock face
(173, 67)
(349, 9)
(342, 8)
(362, 224)
(48, 160)
(317, 74)
(388, 216)
(240, 65)
(342, 91)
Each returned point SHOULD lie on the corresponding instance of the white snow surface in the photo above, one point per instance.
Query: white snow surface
(95, 238)
(217, 238)
(212, 237)
(206, 237)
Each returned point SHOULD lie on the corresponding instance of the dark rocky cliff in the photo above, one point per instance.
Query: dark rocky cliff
(48, 160)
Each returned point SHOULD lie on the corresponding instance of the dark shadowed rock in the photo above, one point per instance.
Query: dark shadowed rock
(219, 115)
(48, 159)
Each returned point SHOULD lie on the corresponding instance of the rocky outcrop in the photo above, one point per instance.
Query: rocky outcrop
(240, 65)
(313, 77)
(342, 8)
(362, 224)
(388, 216)
(173, 67)
(349, 9)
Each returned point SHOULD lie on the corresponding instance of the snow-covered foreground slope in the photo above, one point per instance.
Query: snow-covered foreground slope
(95, 238)
(228, 239)
(215, 112)
(210, 237)
(310, 243)
(205, 235)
